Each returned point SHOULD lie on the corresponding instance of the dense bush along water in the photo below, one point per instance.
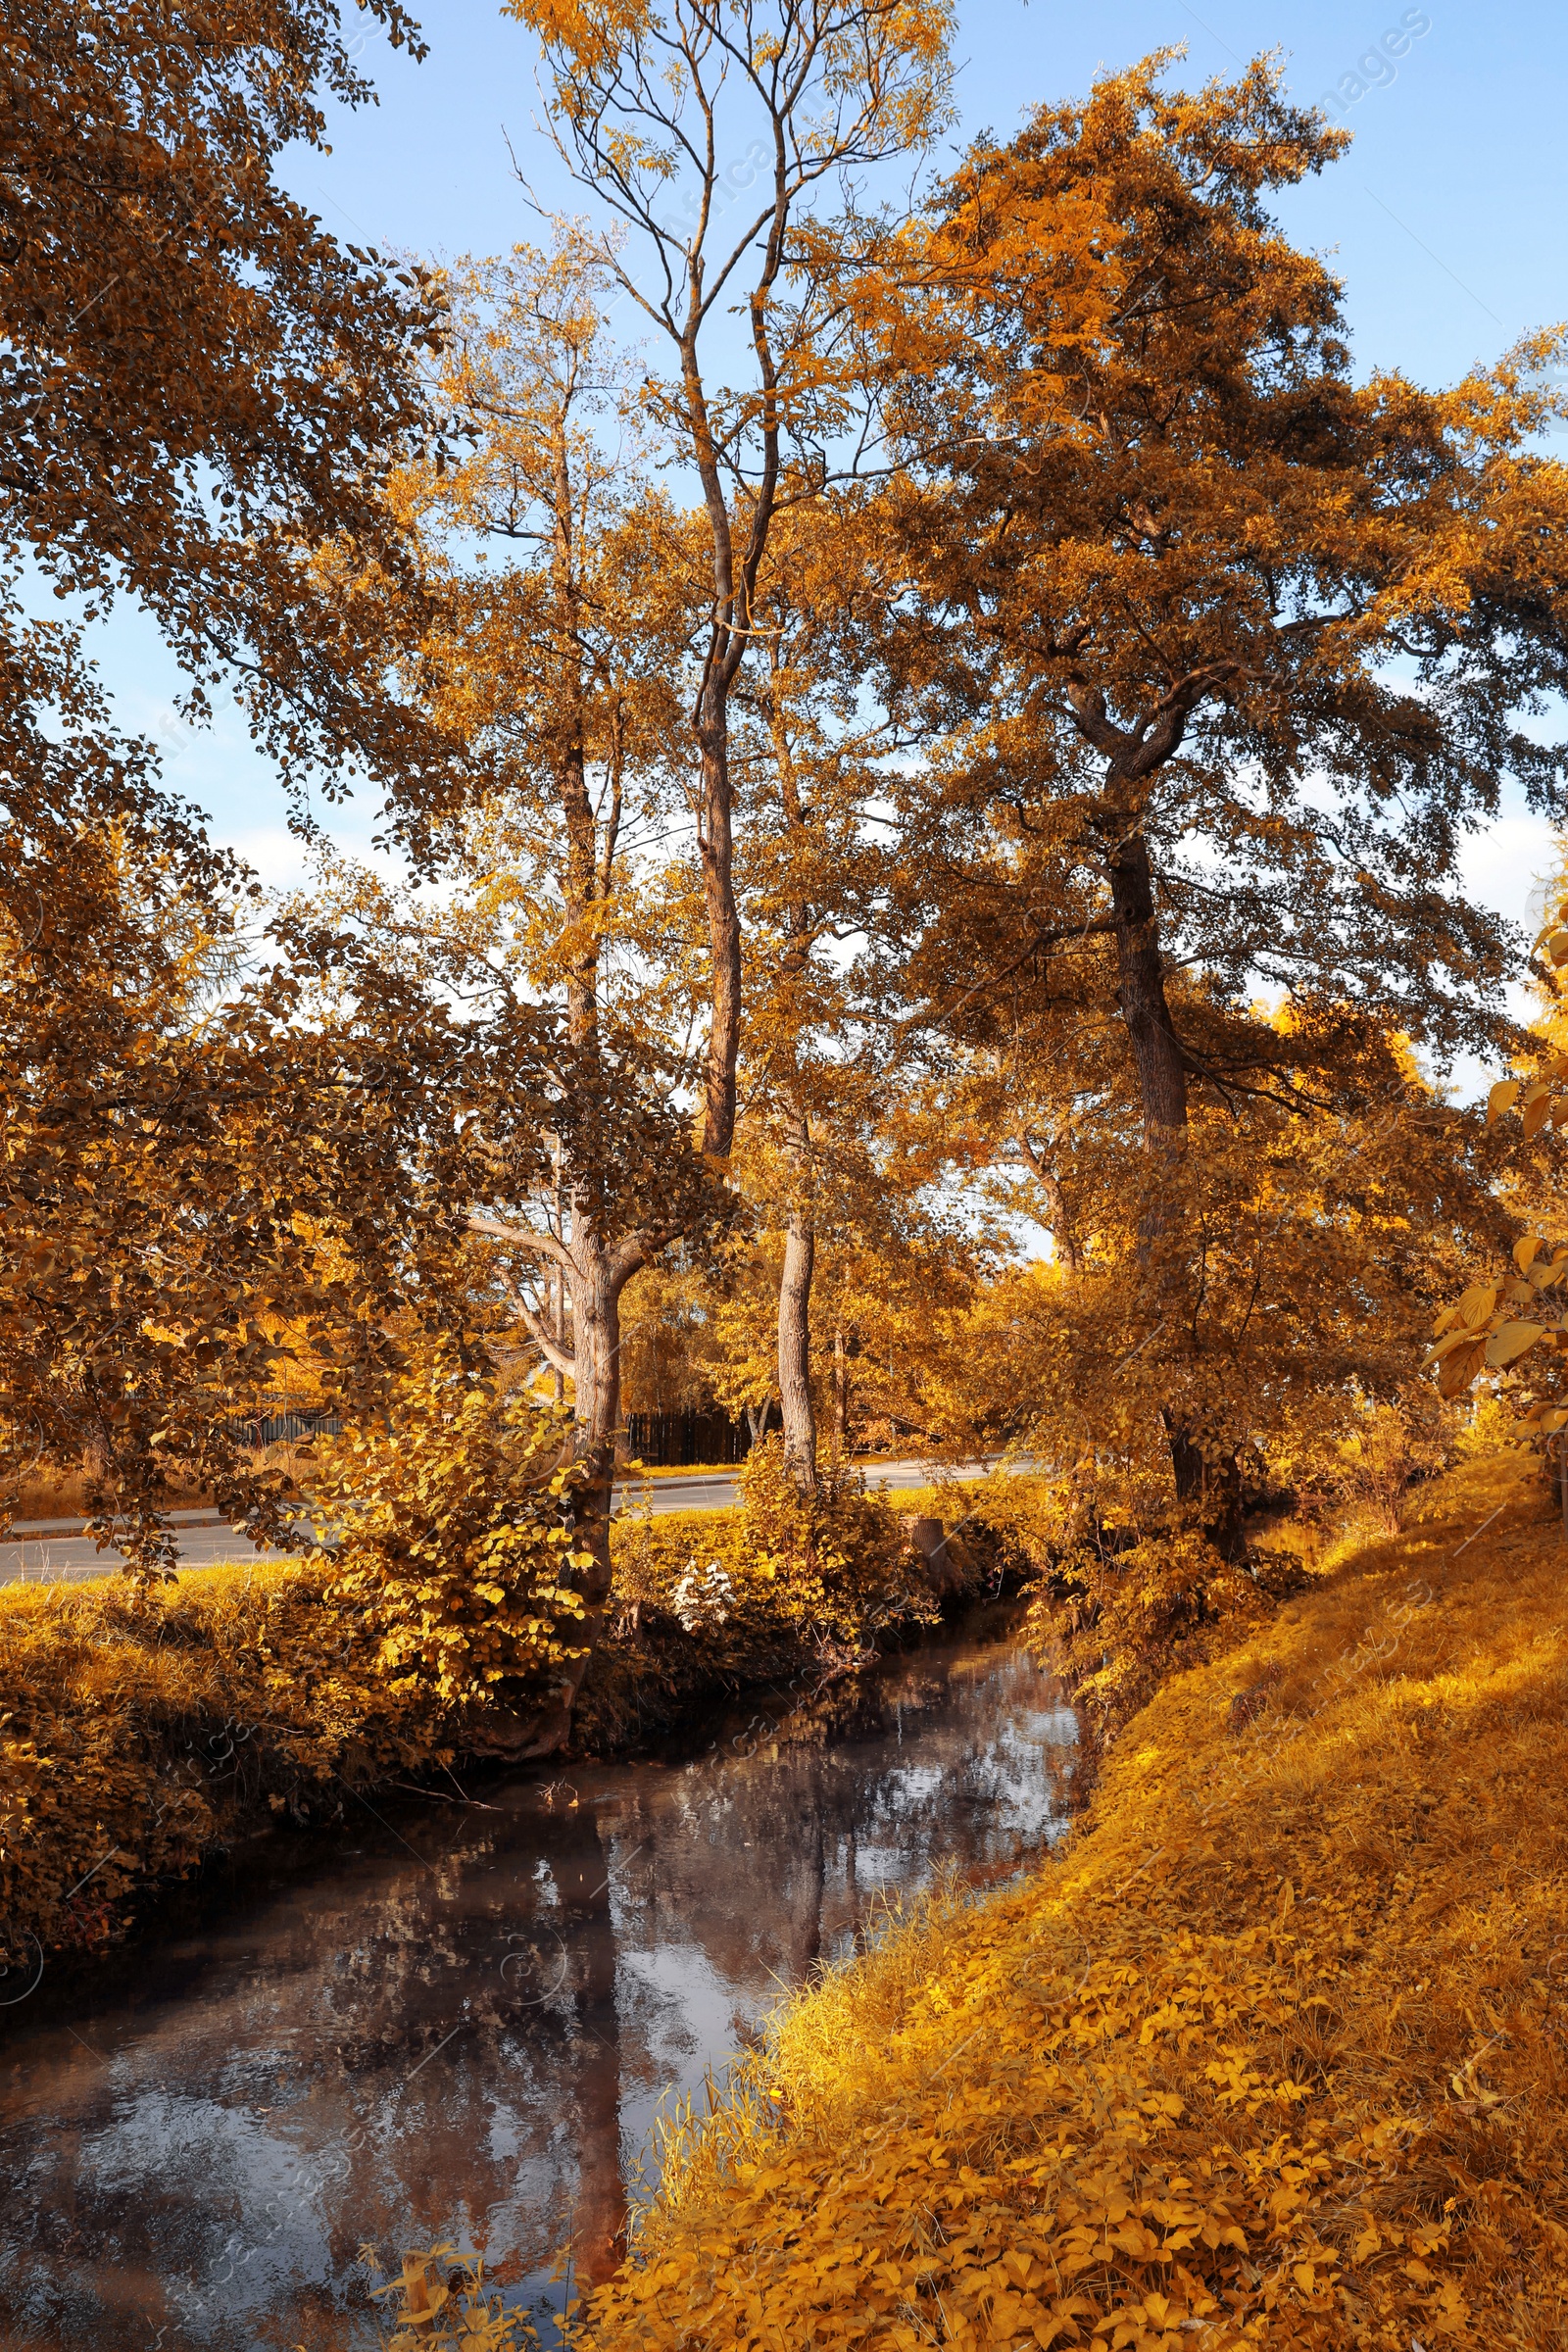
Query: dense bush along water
(462, 2023)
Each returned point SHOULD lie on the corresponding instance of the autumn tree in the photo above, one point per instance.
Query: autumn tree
(705, 129)
(811, 750)
(202, 393)
(555, 660)
(899, 1264)
(1508, 1327)
(200, 389)
(1222, 651)
(1320, 1239)
(1322, 1235)
(195, 1184)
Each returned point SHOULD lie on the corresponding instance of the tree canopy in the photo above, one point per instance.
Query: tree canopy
(993, 768)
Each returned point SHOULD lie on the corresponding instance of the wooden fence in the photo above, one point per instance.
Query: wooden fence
(663, 1440)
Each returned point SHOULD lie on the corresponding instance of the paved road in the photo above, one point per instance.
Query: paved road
(713, 1490)
(55, 1551)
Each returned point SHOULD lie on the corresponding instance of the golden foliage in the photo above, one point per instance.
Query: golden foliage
(1273, 2056)
(144, 1728)
(202, 385)
(442, 2306)
(1492, 1325)
(1238, 1323)
(786, 1578)
(455, 1538)
(140, 1729)
(202, 393)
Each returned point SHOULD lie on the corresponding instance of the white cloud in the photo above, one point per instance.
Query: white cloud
(1508, 865)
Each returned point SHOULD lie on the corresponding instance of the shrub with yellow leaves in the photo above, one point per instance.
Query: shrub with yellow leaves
(454, 1535)
(1125, 1587)
(1494, 1325)
(786, 1578)
(140, 1731)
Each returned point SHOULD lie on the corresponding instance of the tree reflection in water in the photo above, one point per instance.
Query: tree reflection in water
(462, 2027)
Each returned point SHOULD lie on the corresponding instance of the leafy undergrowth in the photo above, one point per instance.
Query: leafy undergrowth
(1275, 2055)
(711, 1602)
(138, 1730)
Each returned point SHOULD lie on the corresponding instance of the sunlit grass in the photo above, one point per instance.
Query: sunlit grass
(1275, 2055)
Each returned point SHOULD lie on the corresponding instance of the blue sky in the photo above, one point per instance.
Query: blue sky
(1446, 221)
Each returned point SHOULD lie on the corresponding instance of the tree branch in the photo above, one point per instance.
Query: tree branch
(522, 1237)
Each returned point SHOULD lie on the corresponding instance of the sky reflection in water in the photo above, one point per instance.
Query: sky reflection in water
(462, 2024)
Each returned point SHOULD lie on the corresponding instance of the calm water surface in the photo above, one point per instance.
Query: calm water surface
(461, 2024)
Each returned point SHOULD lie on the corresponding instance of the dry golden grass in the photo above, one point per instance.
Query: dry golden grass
(1275, 2055)
(63, 1494)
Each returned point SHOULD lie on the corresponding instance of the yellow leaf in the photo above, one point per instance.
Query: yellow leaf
(1476, 1305)
(1502, 1097)
(1461, 1370)
(1511, 1341)
(1524, 1251)
(1445, 1348)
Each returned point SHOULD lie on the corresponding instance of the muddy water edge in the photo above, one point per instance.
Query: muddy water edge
(459, 2022)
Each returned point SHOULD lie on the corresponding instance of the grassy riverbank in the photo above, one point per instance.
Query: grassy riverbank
(141, 1731)
(1275, 2055)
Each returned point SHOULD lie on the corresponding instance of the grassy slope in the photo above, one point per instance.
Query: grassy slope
(1275, 2055)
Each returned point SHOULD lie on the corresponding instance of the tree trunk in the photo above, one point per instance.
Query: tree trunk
(556, 1375)
(1141, 993)
(597, 1281)
(841, 1396)
(1058, 1221)
(716, 849)
(1211, 1488)
(98, 1459)
(795, 1352)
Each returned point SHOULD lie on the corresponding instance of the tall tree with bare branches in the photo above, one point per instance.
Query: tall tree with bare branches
(705, 129)
(558, 662)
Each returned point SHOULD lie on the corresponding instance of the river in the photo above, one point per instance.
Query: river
(461, 2024)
